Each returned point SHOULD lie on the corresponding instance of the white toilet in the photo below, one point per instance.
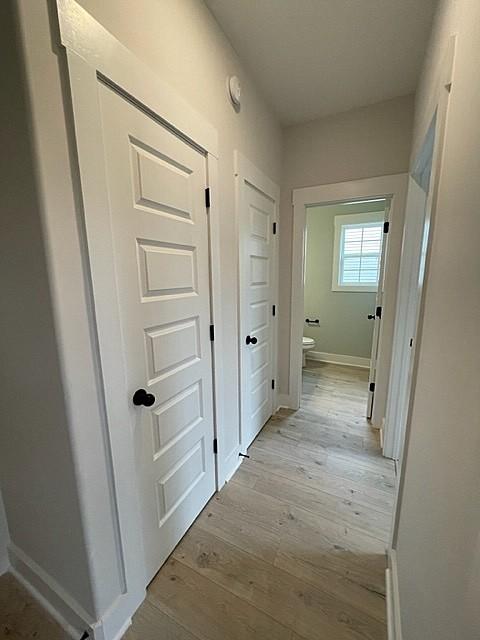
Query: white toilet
(307, 345)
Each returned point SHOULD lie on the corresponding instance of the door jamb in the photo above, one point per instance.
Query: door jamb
(246, 171)
(402, 360)
(391, 186)
(93, 54)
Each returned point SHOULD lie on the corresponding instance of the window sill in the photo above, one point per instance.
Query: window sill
(355, 289)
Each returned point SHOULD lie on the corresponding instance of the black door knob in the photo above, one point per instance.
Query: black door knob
(250, 340)
(371, 316)
(141, 397)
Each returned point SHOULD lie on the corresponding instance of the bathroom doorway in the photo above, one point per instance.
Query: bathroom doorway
(343, 286)
(346, 251)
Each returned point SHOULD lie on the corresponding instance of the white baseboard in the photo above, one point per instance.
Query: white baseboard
(393, 598)
(123, 630)
(62, 607)
(338, 358)
(4, 562)
(234, 470)
(43, 588)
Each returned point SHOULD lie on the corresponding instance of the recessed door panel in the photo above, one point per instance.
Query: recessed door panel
(179, 480)
(166, 269)
(172, 418)
(161, 184)
(172, 347)
(259, 312)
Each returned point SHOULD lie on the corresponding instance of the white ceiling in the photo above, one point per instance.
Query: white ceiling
(312, 58)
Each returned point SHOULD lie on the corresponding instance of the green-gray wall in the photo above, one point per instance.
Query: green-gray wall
(344, 327)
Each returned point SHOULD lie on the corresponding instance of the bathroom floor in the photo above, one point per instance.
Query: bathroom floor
(292, 548)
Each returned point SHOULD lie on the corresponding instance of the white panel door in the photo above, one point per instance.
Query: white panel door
(257, 297)
(156, 186)
(378, 317)
(372, 376)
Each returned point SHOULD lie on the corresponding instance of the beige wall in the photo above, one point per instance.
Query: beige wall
(438, 543)
(362, 143)
(57, 486)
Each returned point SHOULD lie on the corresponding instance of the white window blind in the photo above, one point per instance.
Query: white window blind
(361, 245)
(357, 251)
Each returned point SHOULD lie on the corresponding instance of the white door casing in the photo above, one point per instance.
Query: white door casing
(422, 190)
(378, 315)
(156, 185)
(257, 206)
(392, 187)
(405, 322)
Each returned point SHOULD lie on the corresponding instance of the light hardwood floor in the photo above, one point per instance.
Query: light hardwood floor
(293, 547)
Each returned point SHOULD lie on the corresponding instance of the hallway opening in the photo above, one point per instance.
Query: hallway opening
(345, 247)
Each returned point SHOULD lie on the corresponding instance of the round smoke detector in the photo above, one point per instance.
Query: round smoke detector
(235, 90)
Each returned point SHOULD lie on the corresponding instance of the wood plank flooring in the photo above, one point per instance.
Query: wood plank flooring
(293, 547)
(21, 617)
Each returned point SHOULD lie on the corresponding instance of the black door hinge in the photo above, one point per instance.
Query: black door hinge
(378, 312)
(207, 197)
(371, 387)
(215, 445)
(274, 228)
(273, 310)
(212, 332)
(386, 226)
(273, 384)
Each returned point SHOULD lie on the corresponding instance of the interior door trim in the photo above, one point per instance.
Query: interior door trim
(94, 55)
(80, 33)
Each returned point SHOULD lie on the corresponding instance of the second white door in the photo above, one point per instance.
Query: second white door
(257, 210)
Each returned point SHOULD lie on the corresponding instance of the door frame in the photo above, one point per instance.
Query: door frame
(393, 187)
(246, 171)
(396, 433)
(94, 55)
(404, 332)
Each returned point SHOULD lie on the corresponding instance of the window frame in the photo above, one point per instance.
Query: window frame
(368, 218)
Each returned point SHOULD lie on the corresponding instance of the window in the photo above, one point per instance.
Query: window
(357, 251)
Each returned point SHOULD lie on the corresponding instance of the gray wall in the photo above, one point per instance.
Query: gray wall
(36, 465)
(438, 543)
(362, 143)
(4, 539)
(344, 327)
